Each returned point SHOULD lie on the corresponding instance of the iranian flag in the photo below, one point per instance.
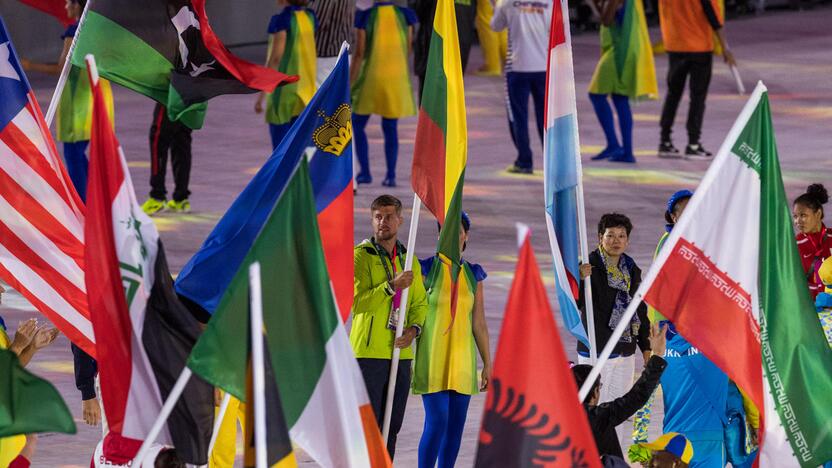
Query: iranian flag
(730, 279)
(324, 401)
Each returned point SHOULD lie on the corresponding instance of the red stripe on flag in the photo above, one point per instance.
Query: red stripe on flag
(336, 226)
(557, 36)
(23, 147)
(57, 319)
(713, 312)
(428, 175)
(34, 108)
(252, 75)
(41, 219)
(74, 296)
(108, 304)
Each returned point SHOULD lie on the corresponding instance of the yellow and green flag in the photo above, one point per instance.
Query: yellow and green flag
(441, 146)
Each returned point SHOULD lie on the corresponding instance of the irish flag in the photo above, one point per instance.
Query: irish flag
(321, 388)
(730, 279)
(441, 149)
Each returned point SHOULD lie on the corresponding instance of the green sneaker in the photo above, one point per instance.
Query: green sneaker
(183, 206)
(153, 206)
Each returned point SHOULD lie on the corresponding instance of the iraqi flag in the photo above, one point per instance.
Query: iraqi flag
(562, 170)
(532, 413)
(322, 392)
(736, 290)
(144, 333)
(323, 132)
(166, 50)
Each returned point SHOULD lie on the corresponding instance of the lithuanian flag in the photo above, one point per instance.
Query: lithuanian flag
(166, 50)
(441, 136)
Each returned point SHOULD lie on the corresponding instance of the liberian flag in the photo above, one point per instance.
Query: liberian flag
(166, 50)
(562, 170)
(441, 148)
(323, 132)
(737, 292)
(323, 397)
(41, 216)
(144, 333)
(532, 413)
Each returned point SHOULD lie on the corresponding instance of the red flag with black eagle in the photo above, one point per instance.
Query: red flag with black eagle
(532, 413)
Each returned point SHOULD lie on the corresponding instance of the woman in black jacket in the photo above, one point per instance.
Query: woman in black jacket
(604, 417)
(614, 278)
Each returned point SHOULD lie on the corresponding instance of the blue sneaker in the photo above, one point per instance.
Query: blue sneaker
(608, 153)
(623, 157)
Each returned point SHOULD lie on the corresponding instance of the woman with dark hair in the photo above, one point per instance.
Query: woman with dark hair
(615, 278)
(445, 368)
(814, 242)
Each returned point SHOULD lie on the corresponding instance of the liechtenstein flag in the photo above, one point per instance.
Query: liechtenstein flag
(323, 133)
(562, 168)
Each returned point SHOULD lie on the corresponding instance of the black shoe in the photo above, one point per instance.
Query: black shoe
(668, 151)
(515, 169)
(389, 182)
(696, 151)
(363, 178)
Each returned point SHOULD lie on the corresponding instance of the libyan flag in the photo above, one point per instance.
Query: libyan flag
(737, 291)
(29, 404)
(322, 393)
(166, 50)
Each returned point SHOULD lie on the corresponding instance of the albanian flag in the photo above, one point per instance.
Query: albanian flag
(166, 50)
(532, 413)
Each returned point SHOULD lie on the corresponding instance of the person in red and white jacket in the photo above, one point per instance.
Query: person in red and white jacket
(814, 240)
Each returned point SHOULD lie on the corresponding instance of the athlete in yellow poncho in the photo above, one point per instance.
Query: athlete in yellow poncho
(445, 368)
(381, 79)
(291, 51)
(625, 71)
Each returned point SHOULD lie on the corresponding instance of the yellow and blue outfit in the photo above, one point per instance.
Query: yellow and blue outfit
(75, 119)
(384, 83)
(285, 104)
(445, 369)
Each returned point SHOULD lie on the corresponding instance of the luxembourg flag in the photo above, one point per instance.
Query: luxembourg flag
(562, 171)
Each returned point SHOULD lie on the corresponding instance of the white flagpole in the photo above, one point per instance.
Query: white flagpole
(394, 362)
(582, 231)
(658, 263)
(258, 365)
(59, 88)
(226, 399)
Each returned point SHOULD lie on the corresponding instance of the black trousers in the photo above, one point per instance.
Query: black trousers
(174, 137)
(698, 66)
(376, 374)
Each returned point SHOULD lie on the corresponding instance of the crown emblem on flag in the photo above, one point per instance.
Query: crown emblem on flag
(336, 131)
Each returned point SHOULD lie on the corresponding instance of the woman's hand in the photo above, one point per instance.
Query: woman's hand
(24, 335)
(258, 104)
(586, 270)
(44, 337)
(91, 411)
(486, 378)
